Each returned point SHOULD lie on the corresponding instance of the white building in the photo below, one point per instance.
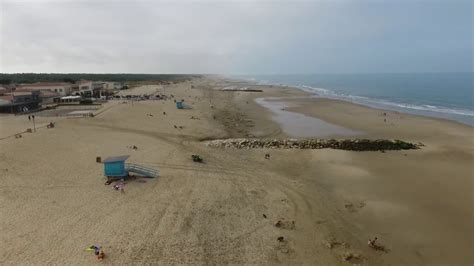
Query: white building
(88, 88)
(84, 88)
(61, 88)
(113, 85)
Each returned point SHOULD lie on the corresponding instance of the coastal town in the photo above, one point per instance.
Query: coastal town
(25, 98)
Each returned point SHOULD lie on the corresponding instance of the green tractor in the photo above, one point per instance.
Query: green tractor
(196, 158)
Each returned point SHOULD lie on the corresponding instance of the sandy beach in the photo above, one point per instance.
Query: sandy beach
(54, 203)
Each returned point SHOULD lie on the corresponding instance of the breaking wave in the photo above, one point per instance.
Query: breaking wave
(461, 115)
(380, 102)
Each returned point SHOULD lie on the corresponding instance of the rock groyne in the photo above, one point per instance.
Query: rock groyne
(343, 144)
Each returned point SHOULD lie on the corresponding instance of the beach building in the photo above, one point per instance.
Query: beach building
(4, 89)
(45, 96)
(119, 85)
(19, 101)
(87, 88)
(49, 97)
(84, 88)
(96, 89)
(61, 88)
(70, 99)
(111, 88)
(113, 85)
(108, 89)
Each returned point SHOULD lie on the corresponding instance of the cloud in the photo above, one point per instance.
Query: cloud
(233, 36)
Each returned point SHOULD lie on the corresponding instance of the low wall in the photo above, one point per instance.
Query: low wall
(344, 144)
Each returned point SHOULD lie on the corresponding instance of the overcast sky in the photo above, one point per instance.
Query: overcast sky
(236, 37)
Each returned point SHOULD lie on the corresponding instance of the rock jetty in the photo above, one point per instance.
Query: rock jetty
(343, 144)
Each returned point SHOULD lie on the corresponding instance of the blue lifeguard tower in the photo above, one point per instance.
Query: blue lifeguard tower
(179, 105)
(116, 167)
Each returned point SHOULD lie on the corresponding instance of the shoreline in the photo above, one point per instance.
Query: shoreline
(298, 103)
(400, 113)
(298, 97)
(377, 104)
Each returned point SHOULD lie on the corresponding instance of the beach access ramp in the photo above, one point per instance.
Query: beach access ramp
(141, 170)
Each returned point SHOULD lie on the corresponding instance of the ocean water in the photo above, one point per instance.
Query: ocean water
(442, 95)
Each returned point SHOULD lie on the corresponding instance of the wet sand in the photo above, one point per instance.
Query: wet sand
(54, 202)
(420, 201)
(299, 125)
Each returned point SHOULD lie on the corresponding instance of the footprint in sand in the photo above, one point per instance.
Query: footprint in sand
(343, 249)
(283, 245)
(351, 207)
(285, 224)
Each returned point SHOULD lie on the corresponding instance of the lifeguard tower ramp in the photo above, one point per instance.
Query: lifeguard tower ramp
(141, 170)
(182, 105)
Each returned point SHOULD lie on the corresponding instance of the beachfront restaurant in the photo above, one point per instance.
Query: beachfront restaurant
(19, 102)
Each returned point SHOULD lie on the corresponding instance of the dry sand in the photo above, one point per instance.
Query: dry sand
(54, 204)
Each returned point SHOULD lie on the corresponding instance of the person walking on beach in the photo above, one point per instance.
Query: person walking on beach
(29, 118)
(96, 250)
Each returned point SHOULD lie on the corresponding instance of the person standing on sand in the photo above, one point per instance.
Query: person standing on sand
(101, 255)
